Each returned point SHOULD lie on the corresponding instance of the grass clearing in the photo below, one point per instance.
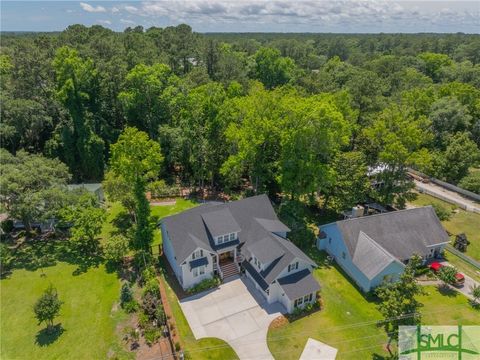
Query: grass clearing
(87, 317)
(348, 319)
(160, 211)
(460, 222)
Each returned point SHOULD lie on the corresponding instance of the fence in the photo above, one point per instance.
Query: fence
(464, 257)
(448, 186)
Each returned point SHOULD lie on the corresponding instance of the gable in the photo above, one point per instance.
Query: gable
(401, 233)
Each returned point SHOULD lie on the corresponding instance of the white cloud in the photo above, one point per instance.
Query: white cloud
(105, 22)
(126, 21)
(92, 9)
(114, 9)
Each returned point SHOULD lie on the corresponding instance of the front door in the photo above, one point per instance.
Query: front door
(226, 256)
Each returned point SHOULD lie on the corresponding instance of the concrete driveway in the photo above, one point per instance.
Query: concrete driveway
(235, 312)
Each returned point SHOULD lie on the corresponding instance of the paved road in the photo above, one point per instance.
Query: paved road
(447, 194)
(235, 312)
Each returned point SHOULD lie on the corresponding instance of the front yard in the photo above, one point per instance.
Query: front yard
(348, 319)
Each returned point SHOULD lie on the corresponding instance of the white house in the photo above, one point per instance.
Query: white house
(245, 236)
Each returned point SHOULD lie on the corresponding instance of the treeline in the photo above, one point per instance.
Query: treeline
(303, 114)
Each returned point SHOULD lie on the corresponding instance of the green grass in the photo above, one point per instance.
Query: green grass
(463, 266)
(87, 316)
(161, 211)
(460, 222)
(347, 321)
(197, 349)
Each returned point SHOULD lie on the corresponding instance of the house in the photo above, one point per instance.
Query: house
(371, 248)
(224, 239)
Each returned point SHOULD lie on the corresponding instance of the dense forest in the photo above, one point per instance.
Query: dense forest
(298, 114)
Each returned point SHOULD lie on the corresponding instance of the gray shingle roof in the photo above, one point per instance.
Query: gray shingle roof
(401, 233)
(256, 220)
(187, 230)
(370, 257)
(299, 284)
(220, 222)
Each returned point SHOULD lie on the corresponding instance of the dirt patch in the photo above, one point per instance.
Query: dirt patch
(168, 202)
(279, 322)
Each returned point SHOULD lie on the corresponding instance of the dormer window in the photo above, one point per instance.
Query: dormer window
(197, 254)
(292, 267)
(226, 238)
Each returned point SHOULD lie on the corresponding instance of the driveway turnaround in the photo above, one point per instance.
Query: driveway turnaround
(235, 312)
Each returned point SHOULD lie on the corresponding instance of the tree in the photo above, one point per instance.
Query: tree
(471, 182)
(31, 186)
(433, 63)
(399, 305)
(136, 159)
(475, 291)
(77, 142)
(395, 140)
(115, 248)
(47, 307)
(461, 153)
(142, 100)
(272, 69)
(447, 275)
(350, 184)
(448, 116)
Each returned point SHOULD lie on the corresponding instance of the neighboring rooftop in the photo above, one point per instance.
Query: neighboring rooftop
(400, 233)
(299, 284)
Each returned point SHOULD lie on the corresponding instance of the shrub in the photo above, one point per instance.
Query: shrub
(205, 285)
(177, 346)
(143, 321)
(152, 287)
(442, 213)
(447, 274)
(151, 335)
(126, 294)
(160, 189)
(471, 182)
(130, 307)
(150, 304)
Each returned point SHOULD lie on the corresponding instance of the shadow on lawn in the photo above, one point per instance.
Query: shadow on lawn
(445, 290)
(37, 254)
(47, 336)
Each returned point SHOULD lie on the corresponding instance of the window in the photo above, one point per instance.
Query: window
(298, 302)
(305, 299)
(343, 255)
(201, 270)
(195, 272)
(225, 238)
(292, 267)
(232, 236)
(311, 296)
(220, 240)
(197, 254)
(329, 240)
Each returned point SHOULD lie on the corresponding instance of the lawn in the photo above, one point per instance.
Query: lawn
(460, 222)
(348, 319)
(88, 316)
(203, 349)
(161, 211)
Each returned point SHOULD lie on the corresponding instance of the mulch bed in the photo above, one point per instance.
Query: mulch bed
(169, 313)
(279, 322)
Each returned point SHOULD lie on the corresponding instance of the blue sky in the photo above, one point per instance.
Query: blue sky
(248, 15)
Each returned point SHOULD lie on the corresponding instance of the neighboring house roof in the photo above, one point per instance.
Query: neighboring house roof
(370, 258)
(254, 218)
(298, 284)
(400, 233)
(220, 222)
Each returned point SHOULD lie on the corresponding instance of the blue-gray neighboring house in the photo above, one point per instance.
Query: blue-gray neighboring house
(372, 248)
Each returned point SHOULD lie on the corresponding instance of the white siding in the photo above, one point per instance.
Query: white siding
(188, 279)
(170, 254)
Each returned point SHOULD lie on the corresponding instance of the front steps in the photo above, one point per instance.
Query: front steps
(229, 269)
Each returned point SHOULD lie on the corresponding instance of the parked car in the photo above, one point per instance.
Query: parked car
(459, 278)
